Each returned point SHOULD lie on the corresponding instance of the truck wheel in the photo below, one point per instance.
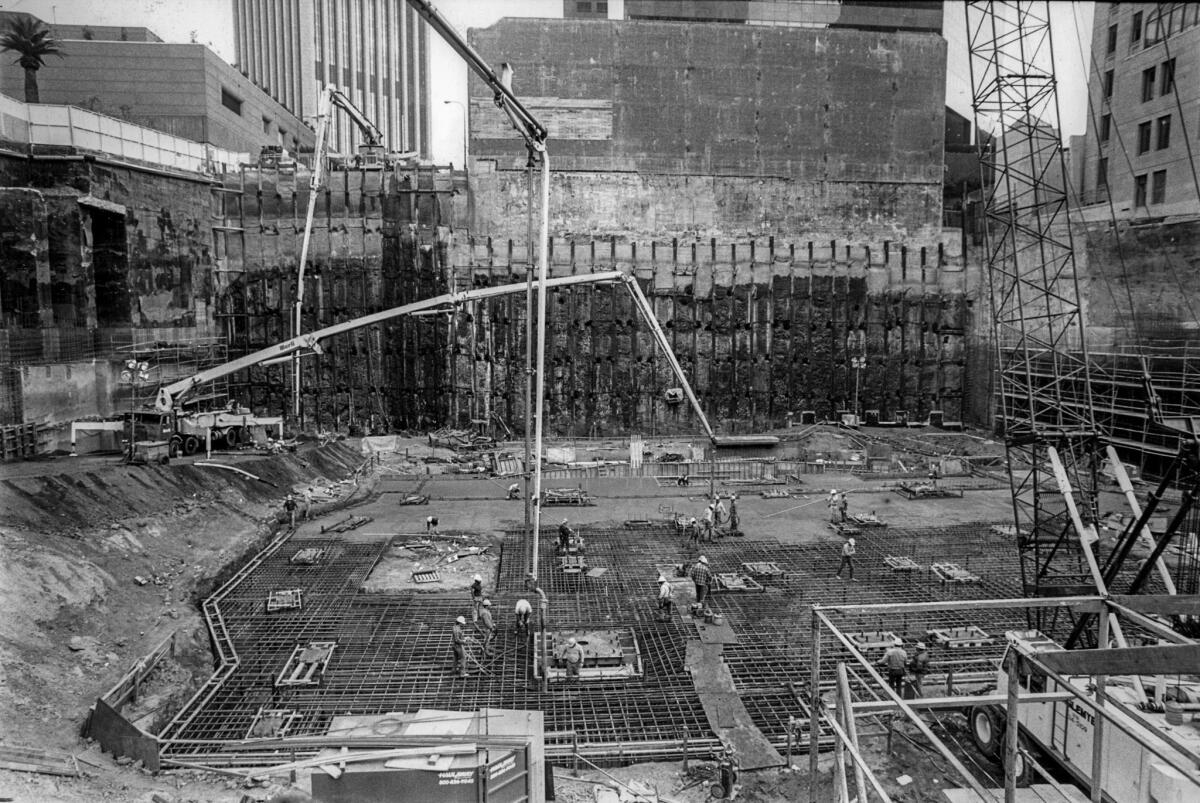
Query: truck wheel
(1024, 772)
(986, 730)
(190, 445)
(176, 446)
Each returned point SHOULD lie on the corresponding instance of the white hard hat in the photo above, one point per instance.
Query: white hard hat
(571, 642)
(662, 579)
(461, 620)
(851, 540)
(477, 577)
(703, 559)
(920, 645)
(564, 521)
(487, 603)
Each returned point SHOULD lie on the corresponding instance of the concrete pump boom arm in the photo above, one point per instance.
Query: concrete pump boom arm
(169, 395)
(524, 121)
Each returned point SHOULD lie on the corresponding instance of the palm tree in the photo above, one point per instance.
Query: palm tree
(31, 40)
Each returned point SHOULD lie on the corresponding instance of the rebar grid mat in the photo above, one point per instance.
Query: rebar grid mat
(394, 654)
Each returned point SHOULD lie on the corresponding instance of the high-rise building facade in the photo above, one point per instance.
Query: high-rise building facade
(375, 51)
(1140, 147)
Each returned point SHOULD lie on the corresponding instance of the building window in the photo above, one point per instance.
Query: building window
(1163, 133)
(1158, 187)
(1166, 77)
(1147, 84)
(231, 101)
(1112, 39)
(1105, 127)
(1102, 173)
(1139, 191)
(1143, 137)
(1135, 33)
(1108, 83)
(266, 125)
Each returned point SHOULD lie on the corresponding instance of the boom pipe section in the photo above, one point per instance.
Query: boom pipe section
(169, 395)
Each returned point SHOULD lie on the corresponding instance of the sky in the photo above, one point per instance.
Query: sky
(211, 22)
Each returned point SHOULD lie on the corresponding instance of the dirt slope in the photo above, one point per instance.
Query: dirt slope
(98, 563)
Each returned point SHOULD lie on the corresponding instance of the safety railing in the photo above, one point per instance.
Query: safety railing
(69, 126)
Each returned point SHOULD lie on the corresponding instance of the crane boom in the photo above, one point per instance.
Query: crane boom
(522, 119)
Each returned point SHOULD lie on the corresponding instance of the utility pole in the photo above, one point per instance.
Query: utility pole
(858, 364)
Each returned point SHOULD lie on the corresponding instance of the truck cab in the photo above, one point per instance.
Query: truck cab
(1063, 731)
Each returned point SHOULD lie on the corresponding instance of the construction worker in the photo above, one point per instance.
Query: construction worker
(521, 614)
(849, 550)
(487, 627)
(933, 475)
(514, 491)
(564, 537)
(896, 661)
(692, 529)
(835, 506)
(573, 657)
(919, 668)
(843, 504)
(666, 599)
(457, 639)
(683, 481)
(289, 507)
(702, 577)
(720, 513)
(476, 597)
(308, 497)
(431, 525)
(706, 523)
(734, 520)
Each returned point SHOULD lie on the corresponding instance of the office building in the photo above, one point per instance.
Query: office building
(375, 51)
(1139, 148)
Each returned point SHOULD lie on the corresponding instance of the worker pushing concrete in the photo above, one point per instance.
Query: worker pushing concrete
(573, 656)
(666, 599)
(521, 615)
(702, 577)
(487, 627)
(457, 639)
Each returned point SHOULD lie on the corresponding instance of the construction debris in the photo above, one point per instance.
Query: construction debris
(926, 490)
(307, 664)
(460, 439)
(348, 524)
(308, 556)
(735, 581)
(566, 496)
(953, 573)
(31, 759)
(901, 563)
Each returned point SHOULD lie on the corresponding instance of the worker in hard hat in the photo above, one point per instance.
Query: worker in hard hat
(573, 658)
(476, 598)
(918, 667)
(514, 491)
(849, 550)
(702, 576)
(487, 627)
(666, 599)
(521, 615)
(564, 537)
(457, 639)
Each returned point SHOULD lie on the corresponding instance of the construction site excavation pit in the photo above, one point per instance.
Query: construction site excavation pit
(349, 623)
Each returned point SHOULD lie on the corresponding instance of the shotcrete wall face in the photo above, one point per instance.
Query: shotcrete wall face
(763, 329)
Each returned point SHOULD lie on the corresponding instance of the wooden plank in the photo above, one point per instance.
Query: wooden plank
(1088, 604)
(1162, 604)
(1172, 659)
